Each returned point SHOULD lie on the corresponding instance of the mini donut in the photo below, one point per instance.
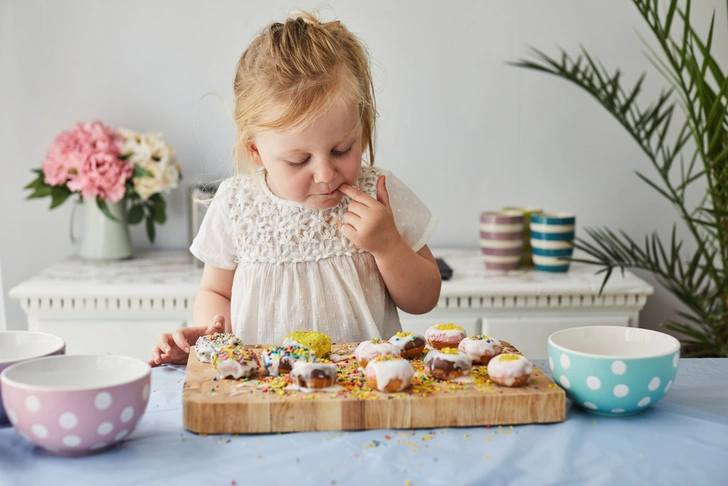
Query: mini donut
(410, 344)
(368, 350)
(447, 364)
(235, 361)
(510, 369)
(279, 359)
(313, 374)
(319, 342)
(389, 374)
(480, 349)
(205, 345)
(444, 335)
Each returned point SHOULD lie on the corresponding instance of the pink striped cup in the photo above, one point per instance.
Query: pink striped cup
(501, 239)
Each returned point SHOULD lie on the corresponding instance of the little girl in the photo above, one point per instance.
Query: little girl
(309, 237)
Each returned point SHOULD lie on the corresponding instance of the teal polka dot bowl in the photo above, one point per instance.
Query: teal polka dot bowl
(613, 371)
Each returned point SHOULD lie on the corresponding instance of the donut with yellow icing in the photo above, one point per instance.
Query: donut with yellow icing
(279, 360)
(480, 349)
(319, 342)
(510, 369)
(444, 335)
(410, 344)
(368, 350)
(313, 374)
(447, 364)
(206, 344)
(389, 374)
(234, 361)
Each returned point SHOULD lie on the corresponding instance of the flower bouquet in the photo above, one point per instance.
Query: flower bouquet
(109, 165)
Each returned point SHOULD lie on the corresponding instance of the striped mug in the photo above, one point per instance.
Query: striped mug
(501, 239)
(552, 241)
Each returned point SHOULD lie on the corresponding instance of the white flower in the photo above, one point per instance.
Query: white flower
(152, 153)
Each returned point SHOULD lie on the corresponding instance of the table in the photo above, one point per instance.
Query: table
(121, 307)
(682, 439)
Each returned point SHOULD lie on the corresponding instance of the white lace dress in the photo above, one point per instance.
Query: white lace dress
(294, 270)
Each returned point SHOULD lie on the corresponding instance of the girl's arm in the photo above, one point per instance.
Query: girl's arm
(213, 296)
(211, 314)
(412, 278)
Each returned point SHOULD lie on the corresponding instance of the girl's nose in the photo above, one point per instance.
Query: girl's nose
(324, 171)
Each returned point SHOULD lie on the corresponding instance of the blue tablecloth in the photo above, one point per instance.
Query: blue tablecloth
(682, 440)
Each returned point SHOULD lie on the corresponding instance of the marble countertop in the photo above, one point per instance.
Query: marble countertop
(158, 273)
(176, 273)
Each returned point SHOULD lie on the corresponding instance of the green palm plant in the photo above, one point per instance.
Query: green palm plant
(687, 150)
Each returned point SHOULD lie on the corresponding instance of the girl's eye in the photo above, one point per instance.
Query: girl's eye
(301, 162)
(344, 153)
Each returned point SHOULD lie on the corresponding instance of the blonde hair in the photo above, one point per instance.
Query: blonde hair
(297, 70)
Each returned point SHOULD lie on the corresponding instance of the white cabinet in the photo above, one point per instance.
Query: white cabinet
(526, 306)
(122, 307)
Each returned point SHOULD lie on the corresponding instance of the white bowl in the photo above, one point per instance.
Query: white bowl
(76, 404)
(17, 346)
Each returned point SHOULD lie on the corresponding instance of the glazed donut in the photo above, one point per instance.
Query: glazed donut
(389, 374)
(368, 350)
(510, 369)
(319, 342)
(447, 364)
(235, 361)
(314, 374)
(410, 344)
(480, 349)
(444, 335)
(205, 345)
(279, 359)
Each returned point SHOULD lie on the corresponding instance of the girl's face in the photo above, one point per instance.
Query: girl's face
(308, 165)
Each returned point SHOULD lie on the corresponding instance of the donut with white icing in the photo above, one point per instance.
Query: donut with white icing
(279, 359)
(447, 364)
(410, 344)
(444, 335)
(206, 344)
(480, 349)
(510, 369)
(389, 374)
(235, 361)
(315, 374)
(368, 350)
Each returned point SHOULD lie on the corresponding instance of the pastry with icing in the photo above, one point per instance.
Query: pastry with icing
(278, 360)
(389, 374)
(318, 342)
(447, 364)
(444, 335)
(234, 361)
(314, 374)
(410, 344)
(480, 349)
(368, 350)
(510, 369)
(205, 345)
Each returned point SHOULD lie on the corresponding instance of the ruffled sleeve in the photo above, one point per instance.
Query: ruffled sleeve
(413, 219)
(214, 244)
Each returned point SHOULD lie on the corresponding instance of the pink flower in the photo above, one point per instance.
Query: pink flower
(102, 174)
(87, 160)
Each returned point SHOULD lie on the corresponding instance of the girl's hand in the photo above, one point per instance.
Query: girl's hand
(369, 222)
(174, 348)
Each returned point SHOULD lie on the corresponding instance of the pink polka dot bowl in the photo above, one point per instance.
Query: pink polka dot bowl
(612, 370)
(17, 346)
(76, 404)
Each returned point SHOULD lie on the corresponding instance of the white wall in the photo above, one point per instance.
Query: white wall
(466, 131)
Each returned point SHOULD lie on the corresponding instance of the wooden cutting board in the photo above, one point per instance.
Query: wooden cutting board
(214, 406)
